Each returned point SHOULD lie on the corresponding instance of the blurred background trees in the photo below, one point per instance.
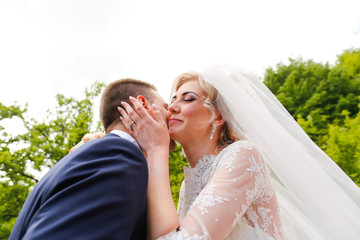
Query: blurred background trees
(324, 100)
(40, 147)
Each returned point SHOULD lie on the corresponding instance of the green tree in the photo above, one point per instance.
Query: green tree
(41, 146)
(317, 95)
(176, 163)
(350, 60)
(343, 145)
(295, 84)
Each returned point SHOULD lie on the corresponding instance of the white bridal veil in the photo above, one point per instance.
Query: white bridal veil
(317, 199)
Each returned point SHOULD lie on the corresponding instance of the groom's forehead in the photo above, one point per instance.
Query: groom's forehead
(161, 103)
(158, 100)
(157, 97)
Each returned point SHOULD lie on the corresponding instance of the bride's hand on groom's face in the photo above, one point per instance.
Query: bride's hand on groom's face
(147, 126)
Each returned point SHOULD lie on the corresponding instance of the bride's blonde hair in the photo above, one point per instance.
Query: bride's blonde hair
(227, 135)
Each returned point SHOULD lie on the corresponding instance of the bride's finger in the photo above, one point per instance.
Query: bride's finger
(140, 109)
(125, 119)
(156, 112)
(134, 116)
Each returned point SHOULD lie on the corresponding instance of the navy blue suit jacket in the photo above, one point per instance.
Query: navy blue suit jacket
(96, 192)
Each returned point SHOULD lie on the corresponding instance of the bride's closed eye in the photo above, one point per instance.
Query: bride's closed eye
(189, 99)
(186, 97)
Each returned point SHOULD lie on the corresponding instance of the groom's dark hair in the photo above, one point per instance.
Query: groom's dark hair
(119, 91)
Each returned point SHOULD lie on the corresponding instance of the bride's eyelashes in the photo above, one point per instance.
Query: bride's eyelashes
(185, 100)
(186, 97)
(190, 99)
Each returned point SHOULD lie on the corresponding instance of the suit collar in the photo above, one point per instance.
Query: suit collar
(126, 136)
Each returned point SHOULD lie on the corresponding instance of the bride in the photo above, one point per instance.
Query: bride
(254, 172)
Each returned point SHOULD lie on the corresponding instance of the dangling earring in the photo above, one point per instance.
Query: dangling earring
(213, 131)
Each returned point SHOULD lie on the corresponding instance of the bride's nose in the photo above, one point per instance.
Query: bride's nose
(174, 108)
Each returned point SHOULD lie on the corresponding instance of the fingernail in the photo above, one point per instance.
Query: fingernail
(121, 118)
(119, 109)
(123, 103)
(132, 98)
(154, 107)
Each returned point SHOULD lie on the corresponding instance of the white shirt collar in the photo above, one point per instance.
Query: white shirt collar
(126, 136)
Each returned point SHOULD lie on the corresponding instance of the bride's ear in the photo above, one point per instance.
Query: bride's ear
(142, 100)
(219, 120)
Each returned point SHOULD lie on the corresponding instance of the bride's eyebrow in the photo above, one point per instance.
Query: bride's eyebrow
(184, 94)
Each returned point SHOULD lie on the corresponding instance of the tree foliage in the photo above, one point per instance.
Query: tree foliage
(177, 161)
(41, 146)
(344, 145)
(325, 101)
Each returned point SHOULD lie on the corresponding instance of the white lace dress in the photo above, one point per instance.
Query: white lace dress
(229, 196)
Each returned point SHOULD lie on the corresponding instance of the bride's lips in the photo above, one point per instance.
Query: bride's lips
(174, 120)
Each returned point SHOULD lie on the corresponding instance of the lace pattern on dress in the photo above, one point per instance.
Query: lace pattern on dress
(207, 199)
(180, 234)
(229, 196)
(195, 180)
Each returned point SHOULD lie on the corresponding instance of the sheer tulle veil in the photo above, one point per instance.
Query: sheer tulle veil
(317, 199)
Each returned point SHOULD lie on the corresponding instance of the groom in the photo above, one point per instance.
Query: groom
(99, 190)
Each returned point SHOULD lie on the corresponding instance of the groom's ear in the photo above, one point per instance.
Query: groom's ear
(142, 100)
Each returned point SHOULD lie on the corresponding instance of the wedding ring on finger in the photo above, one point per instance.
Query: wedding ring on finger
(131, 128)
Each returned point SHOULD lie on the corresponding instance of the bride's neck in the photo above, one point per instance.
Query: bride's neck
(197, 149)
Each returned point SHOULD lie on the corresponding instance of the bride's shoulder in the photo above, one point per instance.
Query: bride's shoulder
(238, 145)
(237, 149)
(239, 153)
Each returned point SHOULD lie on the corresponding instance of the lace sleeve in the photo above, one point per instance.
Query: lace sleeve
(181, 201)
(241, 182)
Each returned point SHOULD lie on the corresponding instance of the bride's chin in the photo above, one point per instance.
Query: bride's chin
(174, 136)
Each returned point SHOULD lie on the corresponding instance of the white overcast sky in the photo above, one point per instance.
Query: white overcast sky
(62, 46)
